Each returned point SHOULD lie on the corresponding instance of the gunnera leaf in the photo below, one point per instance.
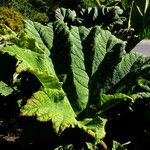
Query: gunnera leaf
(45, 103)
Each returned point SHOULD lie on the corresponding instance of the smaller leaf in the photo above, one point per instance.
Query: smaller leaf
(109, 101)
(95, 127)
(5, 90)
(140, 95)
(144, 84)
(117, 146)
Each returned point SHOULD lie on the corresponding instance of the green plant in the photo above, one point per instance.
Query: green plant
(29, 10)
(11, 18)
(41, 17)
(75, 90)
(137, 9)
(110, 2)
(23, 7)
(90, 3)
(108, 17)
(5, 2)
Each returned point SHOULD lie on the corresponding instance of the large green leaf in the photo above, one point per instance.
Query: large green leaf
(44, 104)
(53, 105)
(100, 49)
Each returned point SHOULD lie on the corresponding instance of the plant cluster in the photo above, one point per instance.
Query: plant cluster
(29, 9)
(11, 18)
(72, 84)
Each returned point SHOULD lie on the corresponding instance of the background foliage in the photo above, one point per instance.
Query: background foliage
(11, 18)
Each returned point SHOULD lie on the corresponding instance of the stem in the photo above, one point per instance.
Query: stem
(98, 2)
(146, 18)
(130, 14)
